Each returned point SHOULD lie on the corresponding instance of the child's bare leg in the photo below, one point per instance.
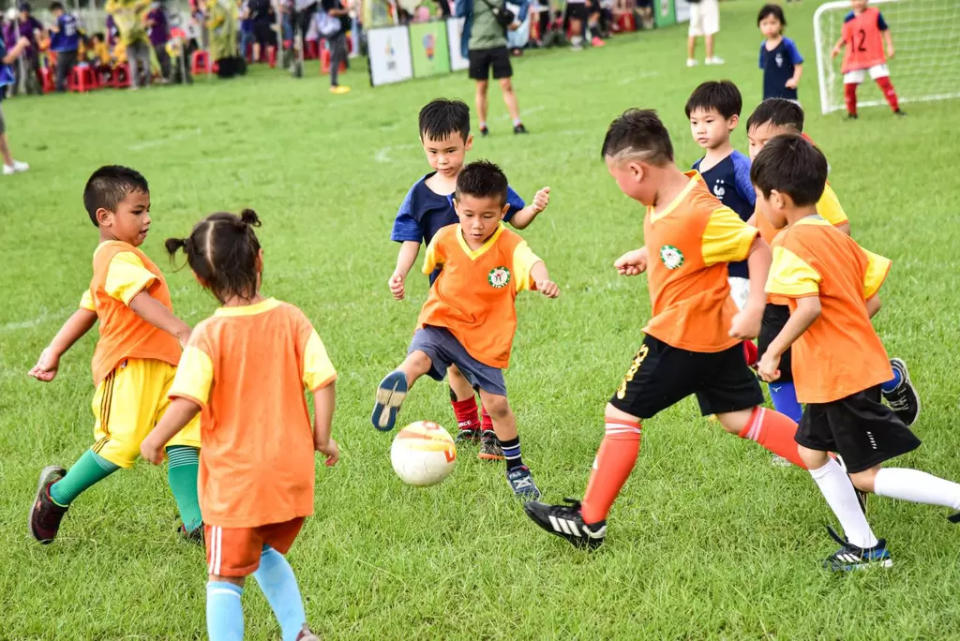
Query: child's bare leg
(415, 365)
(481, 99)
(504, 422)
(770, 429)
(691, 46)
(708, 45)
(5, 151)
(505, 427)
(459, 386)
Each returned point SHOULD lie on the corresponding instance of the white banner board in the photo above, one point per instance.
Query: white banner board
(389, 50)
(454, 29)
(682, 8)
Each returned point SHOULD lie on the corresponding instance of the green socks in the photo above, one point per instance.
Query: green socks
(89, 468)
(183, 462)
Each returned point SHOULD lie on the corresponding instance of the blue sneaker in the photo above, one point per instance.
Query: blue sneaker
(851, 557)
(521, 482)
(903, 399)
(390, 394)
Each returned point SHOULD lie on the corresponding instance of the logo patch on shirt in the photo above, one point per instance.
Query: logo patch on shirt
(718, 188)
(778, 59)
(499, 277)
(671, 256)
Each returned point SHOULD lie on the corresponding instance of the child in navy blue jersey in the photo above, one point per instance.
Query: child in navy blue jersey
(780, 60)
(714, 112)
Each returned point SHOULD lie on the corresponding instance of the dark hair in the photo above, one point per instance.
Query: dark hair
(108, 186)
(482, 179)
(778, 112)
(639, 132)
(771, 10)
(100, 35)
(55, 6)
(439, 118)
(222, 251)
(790, 164)
(721, 95)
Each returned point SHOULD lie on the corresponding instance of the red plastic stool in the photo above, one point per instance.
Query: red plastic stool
(82, 79)
(200, 62)
(272, 56)
(46, 79)
(215, 67)
(627, 22)
(312, 50)
(325, 62)
(121, 76)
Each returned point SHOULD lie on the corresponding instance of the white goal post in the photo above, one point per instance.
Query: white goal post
(926, 41)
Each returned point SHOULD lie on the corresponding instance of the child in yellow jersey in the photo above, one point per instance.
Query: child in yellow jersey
(839, 362)
(774, 117)
(469, 318)
(134, 361)
(244, 372)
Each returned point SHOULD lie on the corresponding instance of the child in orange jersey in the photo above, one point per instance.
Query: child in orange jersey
(245, 370)
(469, 318)
(692, 343)
(839, 362)
(134, 361)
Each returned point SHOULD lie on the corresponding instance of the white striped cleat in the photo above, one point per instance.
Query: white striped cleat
(566, 522)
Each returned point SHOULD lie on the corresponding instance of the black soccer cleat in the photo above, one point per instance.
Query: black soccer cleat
(484, 131)
(899, 112)
(520, 129)
(903, 399)
(45, 515)
(566, 522)
(851, 557)
(467, 437)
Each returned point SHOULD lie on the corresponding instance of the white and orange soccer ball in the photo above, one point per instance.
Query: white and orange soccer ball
(423, 453)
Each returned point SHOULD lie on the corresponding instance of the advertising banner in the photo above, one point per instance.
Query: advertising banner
(389, 51)
(428, 48)
(663, 13)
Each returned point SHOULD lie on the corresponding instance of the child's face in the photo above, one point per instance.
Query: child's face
(710, 129)
(770, 27)
(858, 5)
(758, 135)
(479, 217)
(630, 175)
(131, 220)
(445, 155)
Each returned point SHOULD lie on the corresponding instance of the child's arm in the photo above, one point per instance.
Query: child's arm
(539, 275)
(837, 47)
(873, 306)
(76, 326)
(180, 412)
(405, 260)
(324, 400)
(525, 216)
(888, 38)
(808, 310)
(632, 263)
(746, 324)
(153, 311)
(794, 80)
(15, 51)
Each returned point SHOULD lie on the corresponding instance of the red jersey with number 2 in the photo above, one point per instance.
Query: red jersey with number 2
(864, 42)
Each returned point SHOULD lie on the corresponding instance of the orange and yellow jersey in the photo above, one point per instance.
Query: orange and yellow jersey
(247, 368)
(473, 297)
(690, 243)
(120, 272)
(864, 43)
(840, 353)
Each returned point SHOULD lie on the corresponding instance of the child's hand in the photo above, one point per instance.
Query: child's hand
(632, 263)
(791, 84)
(330, 450)
(541, 199)
(746, 323)
(834, 52)
(46, 367)
(151, 450)
(769, 366)
(548, 288)
(396, 285)
(890, 51)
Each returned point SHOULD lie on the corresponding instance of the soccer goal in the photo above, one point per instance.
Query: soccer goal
(925, 65)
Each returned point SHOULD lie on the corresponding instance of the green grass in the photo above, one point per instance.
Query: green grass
(708, 540)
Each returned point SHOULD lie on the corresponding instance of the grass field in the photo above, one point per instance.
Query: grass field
(708, 541)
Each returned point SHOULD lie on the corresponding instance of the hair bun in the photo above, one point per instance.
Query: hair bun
(173, 244)
(249, 217)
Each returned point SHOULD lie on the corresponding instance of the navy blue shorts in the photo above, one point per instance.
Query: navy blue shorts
(445, 350)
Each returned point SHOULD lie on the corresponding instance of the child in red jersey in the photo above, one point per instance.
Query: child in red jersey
(692, 343)
(469, 318)
(244, 371)
(839, 362)
(864, 34)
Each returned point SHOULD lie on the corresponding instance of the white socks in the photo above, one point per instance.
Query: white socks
(916, 486)
(835, 486)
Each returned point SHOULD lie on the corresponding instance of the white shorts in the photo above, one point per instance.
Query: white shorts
(739, 290)
(857, 76)
(704, 18)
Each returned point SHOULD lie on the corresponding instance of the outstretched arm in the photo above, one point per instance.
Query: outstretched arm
(541, 277)
(154, 312)
(76, 326)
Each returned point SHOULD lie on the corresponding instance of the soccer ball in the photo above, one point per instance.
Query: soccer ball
(423, 453)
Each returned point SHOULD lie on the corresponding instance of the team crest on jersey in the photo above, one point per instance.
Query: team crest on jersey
(779, 60)
(499, 277)
(718, 189)
(671, 257)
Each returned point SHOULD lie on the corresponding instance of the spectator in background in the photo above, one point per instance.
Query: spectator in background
(262, 17)
(246, 29)
(31, 29)
(10, 166)
(129, 17)
(577, 15)
(158, 26)
(337, 42)
(222, 24)
(704, 21)
(444, 6)
(519, 34)
(64, 40)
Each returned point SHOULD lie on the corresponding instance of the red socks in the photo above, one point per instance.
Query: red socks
(466, 413)
(486, 423)
(614, 462)
(888, 92)
(850, 97)
(774, 432)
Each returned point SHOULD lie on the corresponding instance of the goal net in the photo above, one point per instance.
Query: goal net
(925, 65)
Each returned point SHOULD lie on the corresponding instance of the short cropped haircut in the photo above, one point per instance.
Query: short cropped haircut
(482, 179)
(791, 165)
(638, 133)
(721, 95)
(108, 186)
(441, 117)
(56, 5)
(778, 112)
(771, 10)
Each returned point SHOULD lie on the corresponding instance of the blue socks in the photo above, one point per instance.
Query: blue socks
(784, 397)
(224, 611)
(893, 383)
(279, 585)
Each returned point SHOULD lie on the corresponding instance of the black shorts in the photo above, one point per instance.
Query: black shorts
(482, 59)
(774, 318)
(661, 375)
(264, 34)
(859, 428)
(577, 11)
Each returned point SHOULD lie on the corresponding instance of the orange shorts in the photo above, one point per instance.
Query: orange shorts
(235, 551)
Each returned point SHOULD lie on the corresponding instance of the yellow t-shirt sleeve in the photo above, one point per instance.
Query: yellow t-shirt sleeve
(194, 376)
(432, 259)
(318, 371)
(523, 261)
(726, 238)
(877, 269)
(791, 276)
(86, 301)
(126, 277)
(829, 208)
